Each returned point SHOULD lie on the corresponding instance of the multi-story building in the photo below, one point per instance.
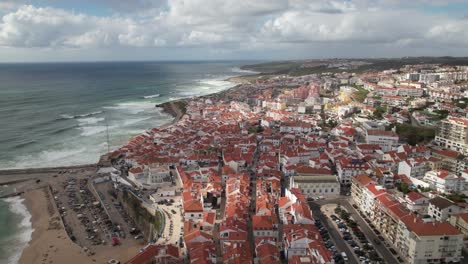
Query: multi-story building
(350, 167)
(460, 221)
(421, 242)
(386, 139)
(444, 181)
(414, 167)
(313, 186)
(453, 134)
(441, 208)
(417, 241)
(451, 160)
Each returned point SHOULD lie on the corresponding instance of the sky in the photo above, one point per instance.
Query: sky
(122, 30)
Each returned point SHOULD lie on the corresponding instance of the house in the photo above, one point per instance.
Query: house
(168, 254)
(193, 207)
(304, 241)
(386, 139)
(441, 208)
(444, 181)
(414, 167)
(266, 252)
(265, 226)
(236, 252)
(460, 222)
(350, 167)
(416, 202)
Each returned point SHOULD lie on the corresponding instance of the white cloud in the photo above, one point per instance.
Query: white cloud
(220, 26)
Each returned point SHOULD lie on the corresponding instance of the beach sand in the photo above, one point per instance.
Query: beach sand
(50, 243)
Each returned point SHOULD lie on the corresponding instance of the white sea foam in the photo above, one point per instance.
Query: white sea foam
(239, 70)
(67, 116)
(92, 130)
(25, 230)
(89, 114)
(132, 107)
(90, 120)
(124, 119)
(62, 156)
(151, 96)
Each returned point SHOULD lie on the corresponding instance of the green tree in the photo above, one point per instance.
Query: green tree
(379, 112)
(403, 187)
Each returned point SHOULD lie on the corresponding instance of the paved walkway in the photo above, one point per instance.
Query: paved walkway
(174, 224)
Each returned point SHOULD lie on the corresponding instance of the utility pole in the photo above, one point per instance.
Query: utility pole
(107, 136)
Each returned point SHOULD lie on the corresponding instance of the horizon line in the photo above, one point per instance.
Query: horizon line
(225, 60)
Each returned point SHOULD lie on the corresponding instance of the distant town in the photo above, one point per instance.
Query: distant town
(329, 166)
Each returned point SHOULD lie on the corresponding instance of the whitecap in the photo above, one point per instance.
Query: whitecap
(239, 70)
(92, 130)
(90, 120)
(132, 107)
(151, 96)
(65, 116)
(25, 230)
(89, 114)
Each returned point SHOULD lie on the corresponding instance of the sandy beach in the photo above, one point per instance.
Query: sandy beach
(50, 243)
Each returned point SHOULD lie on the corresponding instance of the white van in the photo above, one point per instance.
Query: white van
(345, 257)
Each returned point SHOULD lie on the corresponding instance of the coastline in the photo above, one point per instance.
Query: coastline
(49, 242)
(52, 245)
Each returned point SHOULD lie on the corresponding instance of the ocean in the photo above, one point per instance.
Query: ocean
(15, 228)
(58, 114)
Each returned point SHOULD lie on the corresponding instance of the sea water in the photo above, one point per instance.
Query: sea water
(58, 114)
(15, 228)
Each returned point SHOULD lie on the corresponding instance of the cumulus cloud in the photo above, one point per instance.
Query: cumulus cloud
(233, 25)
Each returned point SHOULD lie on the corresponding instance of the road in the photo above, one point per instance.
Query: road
(335, 236)
(371, 236)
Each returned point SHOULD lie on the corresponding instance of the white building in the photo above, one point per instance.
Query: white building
(453, 134)
(415, 167)
(158, 175)
(350, 167)
(386, 139)
(441, 208)
(315, 186)
(444, 181)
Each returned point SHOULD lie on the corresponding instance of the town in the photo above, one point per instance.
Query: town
(320, 168)
(328, 167)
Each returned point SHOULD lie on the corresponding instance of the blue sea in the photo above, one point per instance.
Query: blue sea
(58, 114)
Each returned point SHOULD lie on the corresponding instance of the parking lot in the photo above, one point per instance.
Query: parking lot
(88, 222)
(332, 236)
(362, 249)
(380, 248)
